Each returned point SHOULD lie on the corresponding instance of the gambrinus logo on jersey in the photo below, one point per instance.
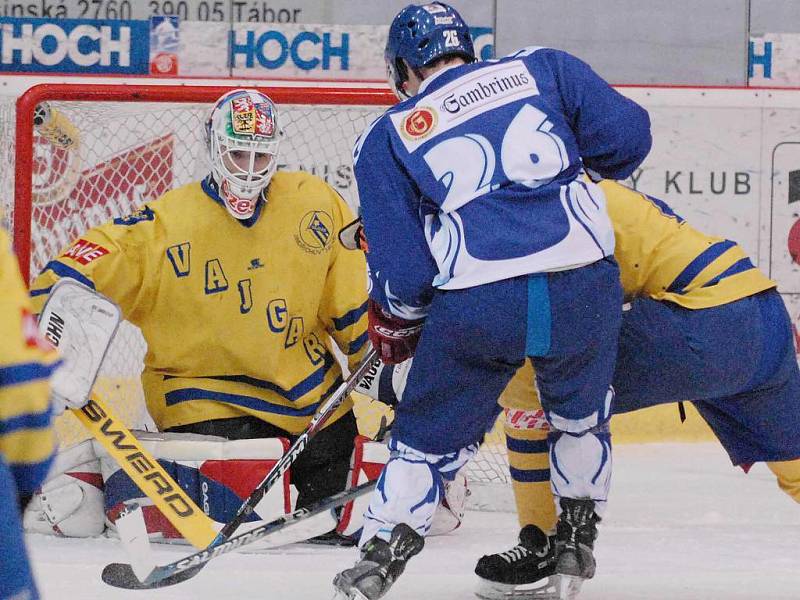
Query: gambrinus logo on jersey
(419, 123)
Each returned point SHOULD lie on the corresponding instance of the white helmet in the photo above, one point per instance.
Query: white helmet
(242, 136)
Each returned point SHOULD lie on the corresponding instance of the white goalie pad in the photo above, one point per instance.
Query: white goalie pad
(70, 502)
(216, 473)
(81, 323)
(450, 512)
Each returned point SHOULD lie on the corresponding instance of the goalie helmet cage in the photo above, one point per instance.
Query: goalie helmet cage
(84, 154)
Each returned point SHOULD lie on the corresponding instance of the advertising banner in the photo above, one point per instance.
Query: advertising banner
(166, 46)
(347, 52)
(73, 46)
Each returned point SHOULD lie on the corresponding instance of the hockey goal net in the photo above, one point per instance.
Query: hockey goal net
(81, 155)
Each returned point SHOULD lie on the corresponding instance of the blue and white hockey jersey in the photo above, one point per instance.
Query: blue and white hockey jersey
(475, 179)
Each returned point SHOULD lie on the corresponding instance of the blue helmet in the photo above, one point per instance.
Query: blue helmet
(422, 34)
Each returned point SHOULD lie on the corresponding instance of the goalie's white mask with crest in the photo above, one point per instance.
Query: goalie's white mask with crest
(242, 136)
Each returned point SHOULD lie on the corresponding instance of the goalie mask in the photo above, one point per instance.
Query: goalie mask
(242, 136)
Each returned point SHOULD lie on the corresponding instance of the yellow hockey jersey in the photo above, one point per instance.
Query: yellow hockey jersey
(27, 440)
(663, 257)
(236, 314)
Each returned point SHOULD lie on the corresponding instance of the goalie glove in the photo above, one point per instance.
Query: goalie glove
(394, 339)
(385, 383)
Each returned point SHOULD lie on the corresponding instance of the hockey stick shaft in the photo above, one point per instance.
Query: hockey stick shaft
(121, 574)
(163, 576)
(146, 472)
(318, 422)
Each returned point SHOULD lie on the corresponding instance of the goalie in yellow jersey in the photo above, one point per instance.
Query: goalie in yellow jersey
(238, 286)
(705, 325)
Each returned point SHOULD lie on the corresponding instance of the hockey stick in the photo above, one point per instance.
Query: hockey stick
(81, 323)
(121, 575)
(157, 577)
(146, 472)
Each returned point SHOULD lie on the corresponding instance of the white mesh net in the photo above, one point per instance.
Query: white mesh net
(97, 160)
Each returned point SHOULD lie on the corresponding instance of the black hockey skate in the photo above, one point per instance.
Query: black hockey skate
(576, 532)
(333, 538)
(381, 563)
(526, 571)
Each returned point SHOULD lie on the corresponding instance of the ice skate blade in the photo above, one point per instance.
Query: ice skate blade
(351, 595)
(544, 589)
(569, 586)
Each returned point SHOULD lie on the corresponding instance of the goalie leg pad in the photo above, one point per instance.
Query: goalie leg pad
(450, 512)
(70, 502)
(216, 473)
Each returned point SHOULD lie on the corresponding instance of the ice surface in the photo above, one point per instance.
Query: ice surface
(682, 525)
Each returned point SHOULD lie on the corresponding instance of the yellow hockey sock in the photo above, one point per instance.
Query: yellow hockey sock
(788, 474)
(530, 475)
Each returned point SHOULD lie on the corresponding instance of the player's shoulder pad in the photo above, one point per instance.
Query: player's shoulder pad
(523, 52)
(155, 209)
(632, 205)
(380, 126)
(303, 192)
(534, 56)
(141, 215)
(291, 182)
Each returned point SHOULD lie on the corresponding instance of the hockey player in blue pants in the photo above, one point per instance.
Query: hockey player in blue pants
(486, 247)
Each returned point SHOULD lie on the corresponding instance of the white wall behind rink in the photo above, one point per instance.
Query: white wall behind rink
(724, 159)
(721, 157)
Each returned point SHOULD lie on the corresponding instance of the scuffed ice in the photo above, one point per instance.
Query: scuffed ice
(682, 525)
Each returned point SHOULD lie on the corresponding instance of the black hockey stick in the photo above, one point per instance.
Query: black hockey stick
(121, 575)
(323, 414)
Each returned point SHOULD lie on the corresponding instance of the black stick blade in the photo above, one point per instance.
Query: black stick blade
(121, 575)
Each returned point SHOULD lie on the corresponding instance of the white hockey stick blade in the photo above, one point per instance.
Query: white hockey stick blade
(309, 528)
(81, 323)
(132, 533)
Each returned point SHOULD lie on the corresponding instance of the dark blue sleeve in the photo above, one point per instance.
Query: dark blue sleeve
(401, 266)
(613, 132)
